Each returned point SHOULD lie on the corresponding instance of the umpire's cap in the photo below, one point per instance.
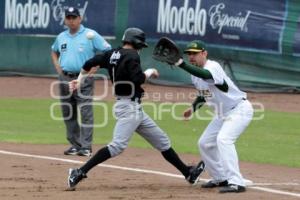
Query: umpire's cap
(136, 37)
(195, 46)
(71, 11)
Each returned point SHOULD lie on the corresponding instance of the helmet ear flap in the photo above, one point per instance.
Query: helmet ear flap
(139, 44)
(136, 37)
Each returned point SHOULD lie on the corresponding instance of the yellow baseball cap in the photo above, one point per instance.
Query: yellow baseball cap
(195, 46)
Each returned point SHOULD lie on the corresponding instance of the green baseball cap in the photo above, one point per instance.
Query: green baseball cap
(195, 46)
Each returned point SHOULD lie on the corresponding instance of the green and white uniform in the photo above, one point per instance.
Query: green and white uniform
(233, 113)
(221, 101)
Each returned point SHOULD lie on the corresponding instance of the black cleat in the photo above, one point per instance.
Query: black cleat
(213, 184)
(232, 188)
(75, 176)
(71, 151)
(195, 172)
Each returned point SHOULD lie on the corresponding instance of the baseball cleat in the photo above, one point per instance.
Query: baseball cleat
(213, 184)
(195, 172)
(233, 188)
(75, 176)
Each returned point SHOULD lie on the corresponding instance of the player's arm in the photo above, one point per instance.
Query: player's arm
(202, 73)
(196, 71)
(167, 51)
(198, 103)
(90, 67)
(97, 60)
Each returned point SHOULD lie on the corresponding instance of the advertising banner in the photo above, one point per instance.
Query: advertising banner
(47, 16)
(296, 46)
(252, 25)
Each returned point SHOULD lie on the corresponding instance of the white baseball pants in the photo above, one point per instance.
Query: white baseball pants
(217, 143)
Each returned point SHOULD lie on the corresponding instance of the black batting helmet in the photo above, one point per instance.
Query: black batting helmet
(136, 37)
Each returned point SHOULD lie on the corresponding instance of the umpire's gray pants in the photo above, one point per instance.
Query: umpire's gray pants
(130, 118)
(78, 136)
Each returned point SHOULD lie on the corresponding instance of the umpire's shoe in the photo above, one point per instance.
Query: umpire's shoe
(195, 172)
(71, 151)
(232, 188)
(75, 176)
(85, 152)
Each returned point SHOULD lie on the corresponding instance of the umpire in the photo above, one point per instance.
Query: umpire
(69, 52)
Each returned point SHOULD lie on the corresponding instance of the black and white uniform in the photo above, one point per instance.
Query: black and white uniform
(124, 69)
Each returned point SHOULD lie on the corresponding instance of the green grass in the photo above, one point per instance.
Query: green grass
(274, 140)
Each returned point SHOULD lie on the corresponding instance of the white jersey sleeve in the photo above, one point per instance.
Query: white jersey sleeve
(220, 101)
(216, 71)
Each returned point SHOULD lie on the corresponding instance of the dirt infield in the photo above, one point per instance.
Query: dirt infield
(35, 178)
(26, 177)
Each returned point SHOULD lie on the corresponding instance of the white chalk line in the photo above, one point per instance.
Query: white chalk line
(252, 185)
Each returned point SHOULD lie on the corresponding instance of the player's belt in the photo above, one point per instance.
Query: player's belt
(243, 99)
(71, 74)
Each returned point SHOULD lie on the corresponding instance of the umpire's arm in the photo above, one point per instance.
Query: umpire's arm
(55, 61)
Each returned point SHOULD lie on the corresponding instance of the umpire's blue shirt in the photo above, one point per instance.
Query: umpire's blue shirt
(75, 49)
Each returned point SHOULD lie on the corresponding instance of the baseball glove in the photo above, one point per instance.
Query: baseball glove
(166, 51)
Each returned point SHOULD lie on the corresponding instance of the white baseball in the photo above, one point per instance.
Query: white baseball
(90, 35)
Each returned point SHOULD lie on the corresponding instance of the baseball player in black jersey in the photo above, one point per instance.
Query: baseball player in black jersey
(123, 65)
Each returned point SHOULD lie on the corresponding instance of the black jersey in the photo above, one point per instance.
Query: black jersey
(124, 69)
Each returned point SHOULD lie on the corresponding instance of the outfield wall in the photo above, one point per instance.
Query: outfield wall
(257, 42)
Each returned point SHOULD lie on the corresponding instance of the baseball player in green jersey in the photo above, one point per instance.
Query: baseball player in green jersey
(233, 112)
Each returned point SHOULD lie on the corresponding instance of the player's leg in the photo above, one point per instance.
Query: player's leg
(233, 126)
(69, 112)
(128, 119)
(210, 154)
(85, 102)
(129, 116)
(149, 130)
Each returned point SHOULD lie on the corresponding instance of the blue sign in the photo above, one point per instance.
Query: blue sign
(47, 16)
(252, 25)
